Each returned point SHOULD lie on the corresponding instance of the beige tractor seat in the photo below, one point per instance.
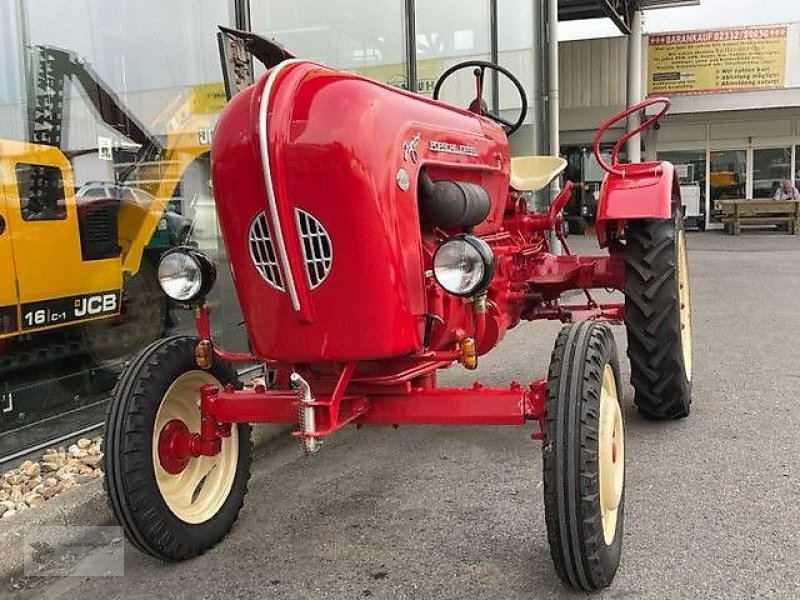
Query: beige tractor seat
(531, 173)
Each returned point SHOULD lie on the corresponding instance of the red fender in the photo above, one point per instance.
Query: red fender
(633, 190)
(645, 191)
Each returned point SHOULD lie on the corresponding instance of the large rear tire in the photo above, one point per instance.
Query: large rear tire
(584, 457)
(167, 514)
(658, 317)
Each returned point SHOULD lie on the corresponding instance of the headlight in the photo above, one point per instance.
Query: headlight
(185, 274)
(463, 265)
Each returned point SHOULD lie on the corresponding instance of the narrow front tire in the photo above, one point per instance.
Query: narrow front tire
(584, 457)
(171, 507)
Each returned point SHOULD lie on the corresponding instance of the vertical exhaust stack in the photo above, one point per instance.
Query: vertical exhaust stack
(305, 414)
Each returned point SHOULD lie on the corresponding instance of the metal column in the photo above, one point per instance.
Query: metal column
(544, 95)
(411, 45)
(553, 119)
(494, 54)
(539, 79)
(635, 85)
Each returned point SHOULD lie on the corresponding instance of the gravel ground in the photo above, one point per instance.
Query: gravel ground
(713, 501)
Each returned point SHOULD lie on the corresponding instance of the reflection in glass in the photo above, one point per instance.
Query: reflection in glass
(41, 192)
(105, 132)
(771, 167)
(691, 168)
(797, 167)
(355, 35)
(446, 37)
(728, 177)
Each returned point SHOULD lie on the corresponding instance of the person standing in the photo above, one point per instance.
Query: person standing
(787, 191)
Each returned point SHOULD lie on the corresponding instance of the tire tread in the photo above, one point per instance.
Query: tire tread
(652, 319)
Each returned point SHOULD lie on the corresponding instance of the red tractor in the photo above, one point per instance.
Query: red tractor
(376, 237)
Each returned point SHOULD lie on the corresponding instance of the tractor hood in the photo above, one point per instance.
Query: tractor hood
(315, 175)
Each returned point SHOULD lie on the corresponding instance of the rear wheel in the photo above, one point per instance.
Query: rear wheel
(171, 507)
(658, 317)
(584, 457)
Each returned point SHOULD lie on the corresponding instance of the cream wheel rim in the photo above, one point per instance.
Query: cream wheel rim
(685, 306)
(198, 492)
(611, 436)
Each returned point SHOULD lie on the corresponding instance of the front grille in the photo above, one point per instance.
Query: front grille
(317, 249)
(262, 251)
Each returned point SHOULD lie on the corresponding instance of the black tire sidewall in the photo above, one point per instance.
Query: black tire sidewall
(667, 394)
(580, 424)
(129, 466)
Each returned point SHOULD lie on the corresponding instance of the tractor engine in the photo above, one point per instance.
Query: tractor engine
(336, 194)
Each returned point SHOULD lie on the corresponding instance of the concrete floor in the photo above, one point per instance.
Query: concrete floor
(713, 501)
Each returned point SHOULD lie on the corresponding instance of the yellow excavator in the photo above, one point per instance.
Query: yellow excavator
(80, 263)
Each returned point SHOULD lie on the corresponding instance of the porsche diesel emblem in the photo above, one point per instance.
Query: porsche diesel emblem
(448, 148)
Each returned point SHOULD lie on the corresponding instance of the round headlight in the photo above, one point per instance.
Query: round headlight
(463, 265)
(185, 274)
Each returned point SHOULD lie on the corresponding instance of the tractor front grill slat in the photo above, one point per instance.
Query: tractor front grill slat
(262, 252)
(314, 242)
(317, 248)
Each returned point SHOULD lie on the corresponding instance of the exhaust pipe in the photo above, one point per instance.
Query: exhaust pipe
(305, 414)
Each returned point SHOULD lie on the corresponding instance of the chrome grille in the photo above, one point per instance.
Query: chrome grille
(262, 251)
(317, 249)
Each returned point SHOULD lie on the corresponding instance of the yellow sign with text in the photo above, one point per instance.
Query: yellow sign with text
(720, 61)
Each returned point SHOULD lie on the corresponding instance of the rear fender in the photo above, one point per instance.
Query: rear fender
(643, 191)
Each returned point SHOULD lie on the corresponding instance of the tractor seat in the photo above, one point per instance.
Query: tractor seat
(531, 173)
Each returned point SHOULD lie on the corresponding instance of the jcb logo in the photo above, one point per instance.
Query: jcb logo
(95, 305)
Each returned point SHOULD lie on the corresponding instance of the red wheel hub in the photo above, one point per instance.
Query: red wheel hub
(174, 446)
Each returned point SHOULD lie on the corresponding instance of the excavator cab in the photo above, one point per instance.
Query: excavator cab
(42, 246)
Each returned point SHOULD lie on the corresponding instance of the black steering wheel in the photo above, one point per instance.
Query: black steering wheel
(478, 105)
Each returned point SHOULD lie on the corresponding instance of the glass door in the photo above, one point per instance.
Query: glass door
(727, 178)
(771, 167)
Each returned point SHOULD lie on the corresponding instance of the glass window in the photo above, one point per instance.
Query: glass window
(356, 35)
(728, 170)
(515, 42)
(41, 192)
(691, 168)
(797, 167)
(447, 35)
(122, 96)
(514, 25)
(771, 167)
(445, 31)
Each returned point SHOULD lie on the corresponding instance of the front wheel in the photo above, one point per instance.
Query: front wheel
(171, 507)
(584, 457)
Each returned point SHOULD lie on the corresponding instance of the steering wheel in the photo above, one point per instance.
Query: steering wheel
(478, 105)
(615, 168)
